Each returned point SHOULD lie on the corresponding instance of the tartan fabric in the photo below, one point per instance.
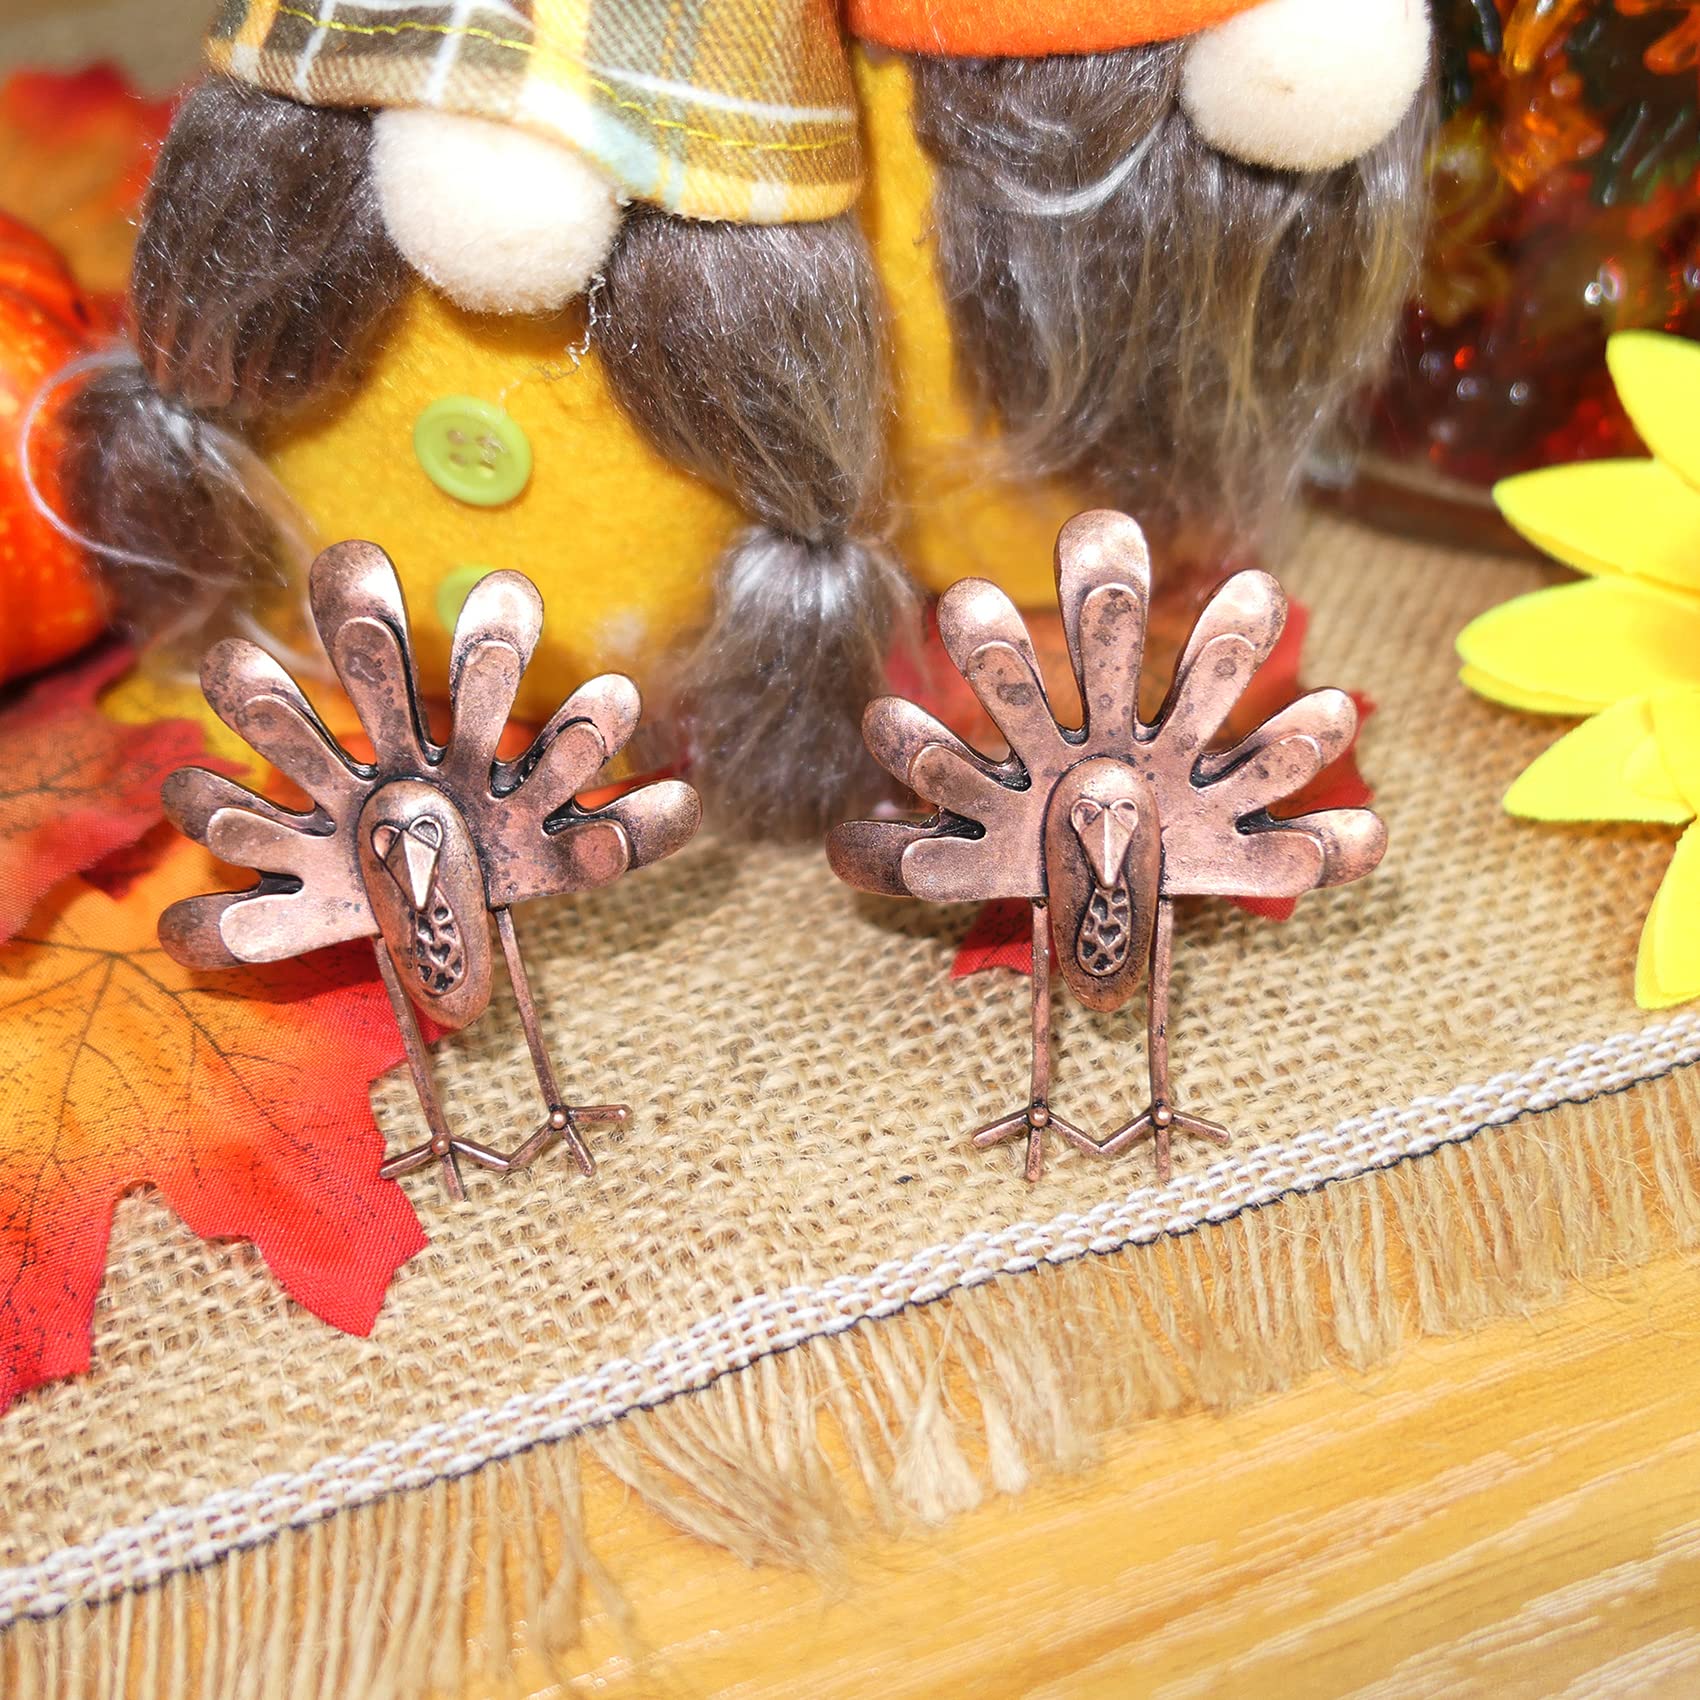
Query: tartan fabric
(718, 109)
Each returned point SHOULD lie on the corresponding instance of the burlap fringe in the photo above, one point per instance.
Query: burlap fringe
(473, 1586)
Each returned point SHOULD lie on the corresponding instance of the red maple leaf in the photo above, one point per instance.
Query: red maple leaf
(1001, 937)
(242, 1096)
(75, 786)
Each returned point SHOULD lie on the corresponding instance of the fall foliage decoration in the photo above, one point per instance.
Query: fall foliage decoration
(75, 785)
(117, 1069)
(1621, 646)
(242, 1096)
(76, 151)
(1099, 828)
(413, 848)
(1566, 208)
(49, 600)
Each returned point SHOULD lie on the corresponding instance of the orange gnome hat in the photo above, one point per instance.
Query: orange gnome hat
(1021, 29)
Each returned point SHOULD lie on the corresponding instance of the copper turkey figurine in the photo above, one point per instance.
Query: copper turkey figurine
(417, 847)
(1101, 828)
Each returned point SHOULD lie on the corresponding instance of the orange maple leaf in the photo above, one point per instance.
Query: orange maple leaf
(242, 1096)
(76, 786)
(76, 152)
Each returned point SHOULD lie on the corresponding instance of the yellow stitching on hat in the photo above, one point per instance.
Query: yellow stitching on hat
(546, 55)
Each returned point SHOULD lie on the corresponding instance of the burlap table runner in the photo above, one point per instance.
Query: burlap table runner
(803, 1070)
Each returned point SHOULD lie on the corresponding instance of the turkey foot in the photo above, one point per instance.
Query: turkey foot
(1158, 1124)
(563, 1120)
(562, 1124)
(1036, 1120)
(1032, 1124)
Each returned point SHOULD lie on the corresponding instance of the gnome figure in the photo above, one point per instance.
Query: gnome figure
(1173, 236)
(691, 166)
(723, 328)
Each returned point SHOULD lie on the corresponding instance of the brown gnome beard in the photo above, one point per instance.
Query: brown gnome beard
(262, 275)
(754, 355)
(1174, 330)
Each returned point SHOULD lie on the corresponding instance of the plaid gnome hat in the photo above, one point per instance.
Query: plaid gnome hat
(1018, 29)
(711, 109)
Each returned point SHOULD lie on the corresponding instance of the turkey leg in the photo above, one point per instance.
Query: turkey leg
(1036, 1119)
(1159, 1121)
(443, 1145)
(561, 1121)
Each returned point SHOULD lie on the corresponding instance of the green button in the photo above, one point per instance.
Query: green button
(473, 451)
(454, 590)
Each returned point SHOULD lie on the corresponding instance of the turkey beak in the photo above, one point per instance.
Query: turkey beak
(1105, 834)
(421, 870)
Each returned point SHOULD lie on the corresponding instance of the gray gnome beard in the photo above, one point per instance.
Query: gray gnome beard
(1172, 329)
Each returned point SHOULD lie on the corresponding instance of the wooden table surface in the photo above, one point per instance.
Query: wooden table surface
(1514, 1512)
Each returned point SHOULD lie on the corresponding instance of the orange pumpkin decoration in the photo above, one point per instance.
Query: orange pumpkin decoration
(50, 603)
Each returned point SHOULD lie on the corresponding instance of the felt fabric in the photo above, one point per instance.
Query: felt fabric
(726, 109)
(1021, 29)
(1621, 644)
(621, 542)
(1307, 85)
(498, 219)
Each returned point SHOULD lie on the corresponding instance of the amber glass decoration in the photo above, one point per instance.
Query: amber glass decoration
(1566, 207)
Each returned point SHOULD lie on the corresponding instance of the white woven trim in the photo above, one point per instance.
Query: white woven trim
(182, 1537)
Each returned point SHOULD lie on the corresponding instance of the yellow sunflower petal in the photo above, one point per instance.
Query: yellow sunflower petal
(1610, 516)
(1587, 774)
(1531, 702)
(1648, 775)
(1667, 967)
(1590, 644)
(1658, 382)
(1676, 724)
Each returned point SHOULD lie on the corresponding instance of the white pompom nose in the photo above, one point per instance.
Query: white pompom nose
(1307, 85)
(500, 220)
